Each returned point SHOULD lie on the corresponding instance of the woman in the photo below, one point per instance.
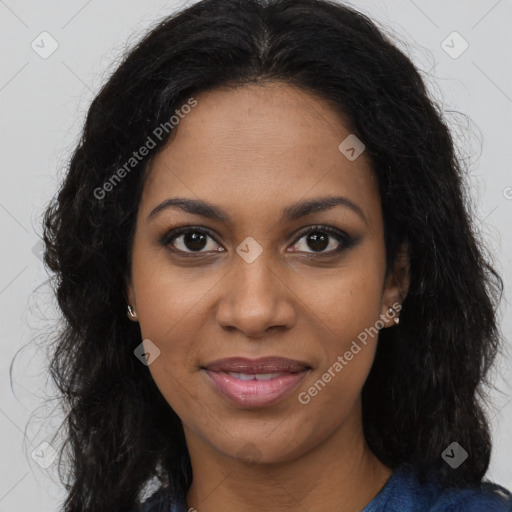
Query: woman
(273, 295)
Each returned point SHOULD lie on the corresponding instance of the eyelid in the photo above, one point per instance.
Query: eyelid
(173, 233)
(335, 232)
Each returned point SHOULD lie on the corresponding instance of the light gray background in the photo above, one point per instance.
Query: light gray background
(42, 105)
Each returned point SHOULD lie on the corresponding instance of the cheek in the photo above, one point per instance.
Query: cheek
(347, 305)
(175, 384)
(166, 303)
(345, 300)
(167, 295)
(330, 397)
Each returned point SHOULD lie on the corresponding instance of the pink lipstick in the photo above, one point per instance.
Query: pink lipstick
(255, 382)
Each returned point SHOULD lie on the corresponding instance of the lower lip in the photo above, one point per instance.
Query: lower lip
(255, 393)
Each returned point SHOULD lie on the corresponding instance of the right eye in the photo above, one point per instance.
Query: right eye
(190, 240)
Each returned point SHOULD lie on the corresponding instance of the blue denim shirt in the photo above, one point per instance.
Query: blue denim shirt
(401, 493)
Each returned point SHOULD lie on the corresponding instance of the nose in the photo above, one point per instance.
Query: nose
(255, 299)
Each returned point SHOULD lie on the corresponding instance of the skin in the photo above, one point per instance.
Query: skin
(253, 151)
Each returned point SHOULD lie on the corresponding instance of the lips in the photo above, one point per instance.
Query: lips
(255, 382)
(254, 366)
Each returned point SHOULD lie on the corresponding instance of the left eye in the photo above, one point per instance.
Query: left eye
(320, 238)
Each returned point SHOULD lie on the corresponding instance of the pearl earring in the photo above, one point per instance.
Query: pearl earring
(392, 312)
(131, 312)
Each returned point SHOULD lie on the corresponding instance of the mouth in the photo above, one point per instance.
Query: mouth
(255, 382)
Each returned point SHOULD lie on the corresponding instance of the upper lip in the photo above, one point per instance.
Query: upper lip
(262, 365)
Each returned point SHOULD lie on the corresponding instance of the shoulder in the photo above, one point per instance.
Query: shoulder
(404, 492)
(488, 497)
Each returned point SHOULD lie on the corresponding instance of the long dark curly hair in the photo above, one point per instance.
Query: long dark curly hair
(425, 388)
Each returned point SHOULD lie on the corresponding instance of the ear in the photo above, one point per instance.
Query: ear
(396, 287)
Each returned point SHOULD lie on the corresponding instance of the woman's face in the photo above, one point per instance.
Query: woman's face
(251, 282)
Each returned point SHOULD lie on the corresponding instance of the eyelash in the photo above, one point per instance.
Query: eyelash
(345, 241)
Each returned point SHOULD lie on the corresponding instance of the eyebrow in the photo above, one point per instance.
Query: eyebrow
(292, 212)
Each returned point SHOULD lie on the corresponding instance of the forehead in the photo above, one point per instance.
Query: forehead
(260, 148)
